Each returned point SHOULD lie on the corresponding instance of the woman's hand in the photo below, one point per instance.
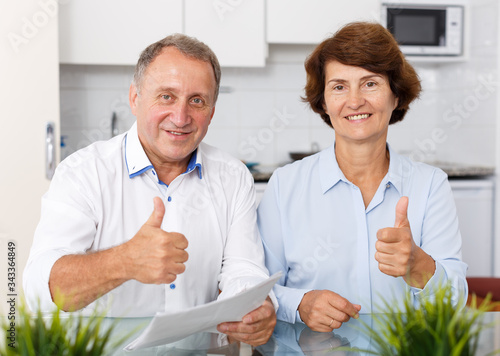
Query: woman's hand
(324, 310)
(398, 255)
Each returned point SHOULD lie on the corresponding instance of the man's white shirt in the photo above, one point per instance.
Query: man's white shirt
(101, 196)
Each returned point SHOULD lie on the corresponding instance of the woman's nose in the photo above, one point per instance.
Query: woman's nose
(355, 99)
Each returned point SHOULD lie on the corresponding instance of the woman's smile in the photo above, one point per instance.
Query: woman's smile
(359, 102)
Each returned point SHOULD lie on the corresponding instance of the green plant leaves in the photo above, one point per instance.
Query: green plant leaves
(52, 335)
(436, 327)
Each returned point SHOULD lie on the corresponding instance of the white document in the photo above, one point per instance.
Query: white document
(166, 328)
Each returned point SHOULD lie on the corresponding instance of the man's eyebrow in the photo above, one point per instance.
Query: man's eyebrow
(174, 90)
(165, 88)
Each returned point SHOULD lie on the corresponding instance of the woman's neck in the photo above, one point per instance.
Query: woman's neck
(365, 165)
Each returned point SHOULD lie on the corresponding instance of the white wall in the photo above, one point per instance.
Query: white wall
(29, 99)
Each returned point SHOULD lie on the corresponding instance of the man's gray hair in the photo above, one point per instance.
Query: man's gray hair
(189, 46)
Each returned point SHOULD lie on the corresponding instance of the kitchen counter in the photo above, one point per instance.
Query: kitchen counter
(261, 177)
(453, 170)
(458, 170)
(261, 174)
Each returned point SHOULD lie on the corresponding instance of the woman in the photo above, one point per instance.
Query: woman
(356, 224)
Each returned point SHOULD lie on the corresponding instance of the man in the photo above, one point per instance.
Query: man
(98, 244)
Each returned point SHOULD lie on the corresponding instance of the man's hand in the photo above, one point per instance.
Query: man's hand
(151, 256)
(398, 255)
(154, 256)
(324, 310)
(256, 327)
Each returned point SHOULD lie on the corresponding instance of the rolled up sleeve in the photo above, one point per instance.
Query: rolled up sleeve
(65, 228)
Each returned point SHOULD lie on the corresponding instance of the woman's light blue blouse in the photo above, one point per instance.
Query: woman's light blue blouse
(317, 231)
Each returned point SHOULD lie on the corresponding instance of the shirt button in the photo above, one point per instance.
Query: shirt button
(169, 198)
(387, 185)
(172, 286)
(154, 173)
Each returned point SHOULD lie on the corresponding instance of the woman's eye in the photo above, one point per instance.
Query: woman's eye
(338, 87)
(371, 84)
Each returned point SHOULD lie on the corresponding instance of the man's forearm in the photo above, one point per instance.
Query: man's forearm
(78, 280)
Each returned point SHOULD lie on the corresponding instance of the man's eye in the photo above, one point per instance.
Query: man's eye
(197, 101)
(166, 97)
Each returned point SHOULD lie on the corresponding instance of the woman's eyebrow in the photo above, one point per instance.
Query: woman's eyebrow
(370, 76)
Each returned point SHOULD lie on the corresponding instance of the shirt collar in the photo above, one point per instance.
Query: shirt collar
(195, 162)
(331, 174)
(329, 170)
(138, 162)
(398, 170)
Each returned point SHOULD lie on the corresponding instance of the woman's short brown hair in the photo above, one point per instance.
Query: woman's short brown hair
(369, 46)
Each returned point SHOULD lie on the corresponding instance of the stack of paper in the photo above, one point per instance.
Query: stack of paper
(166, 328)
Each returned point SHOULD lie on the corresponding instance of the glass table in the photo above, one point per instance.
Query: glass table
(287, 339)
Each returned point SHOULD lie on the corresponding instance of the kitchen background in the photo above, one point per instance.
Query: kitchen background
(91, 47)
(260, 117)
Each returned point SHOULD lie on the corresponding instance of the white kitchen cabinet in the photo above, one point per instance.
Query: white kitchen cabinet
(112, 31)
(310, 22)
(475, 208)
(234, 29)
(260, 188)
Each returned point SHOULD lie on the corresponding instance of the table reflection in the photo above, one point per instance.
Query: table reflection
(287, 339)
(298, 339)
(204, 343)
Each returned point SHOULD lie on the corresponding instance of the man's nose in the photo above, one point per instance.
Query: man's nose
(180, 114)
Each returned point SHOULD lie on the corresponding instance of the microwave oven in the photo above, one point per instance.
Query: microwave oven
(426, 30)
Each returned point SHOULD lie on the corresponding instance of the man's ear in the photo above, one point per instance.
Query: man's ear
(132, 98)
(212, 115)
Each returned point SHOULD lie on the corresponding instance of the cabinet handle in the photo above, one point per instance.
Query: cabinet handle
(50, 151)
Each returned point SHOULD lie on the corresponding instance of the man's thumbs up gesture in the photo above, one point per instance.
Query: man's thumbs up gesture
(155, 256)
(398, 255)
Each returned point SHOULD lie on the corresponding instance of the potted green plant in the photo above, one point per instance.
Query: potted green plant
(39, 334)
(437, 327)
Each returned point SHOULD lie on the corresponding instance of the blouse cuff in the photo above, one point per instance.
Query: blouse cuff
(289, 300)
(433, 284)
